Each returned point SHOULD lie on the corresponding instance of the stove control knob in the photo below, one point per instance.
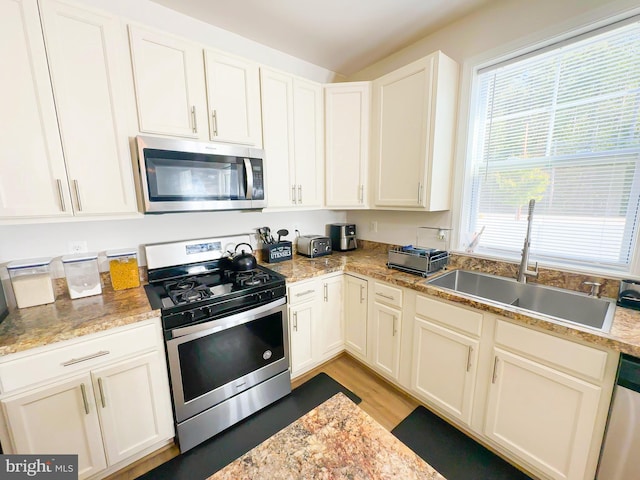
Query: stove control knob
(188, 316)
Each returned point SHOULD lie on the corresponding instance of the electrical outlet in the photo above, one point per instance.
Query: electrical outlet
(373, 226)
(78, 246)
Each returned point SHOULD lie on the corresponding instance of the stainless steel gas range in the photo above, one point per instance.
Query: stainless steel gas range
(225, 333)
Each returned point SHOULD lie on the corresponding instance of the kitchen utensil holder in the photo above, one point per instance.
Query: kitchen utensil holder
(277, 252)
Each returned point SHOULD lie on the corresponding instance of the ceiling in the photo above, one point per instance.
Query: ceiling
(341, 35)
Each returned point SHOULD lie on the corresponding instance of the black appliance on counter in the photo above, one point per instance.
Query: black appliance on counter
(226, 334)
(343, 236)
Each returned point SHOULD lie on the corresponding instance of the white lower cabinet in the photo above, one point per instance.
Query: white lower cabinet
(59, 419)
(355, 315)
(316, 325)
(445, 356)
(444, 368)
(386, 326)
(542, 415)
(110, 412)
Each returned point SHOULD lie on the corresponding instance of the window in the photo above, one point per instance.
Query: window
(561, 126)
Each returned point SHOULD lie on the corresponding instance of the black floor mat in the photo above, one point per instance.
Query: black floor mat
(451, 452)
(212, 455)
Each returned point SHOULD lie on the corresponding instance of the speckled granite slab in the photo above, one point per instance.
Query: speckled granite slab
(336, 440)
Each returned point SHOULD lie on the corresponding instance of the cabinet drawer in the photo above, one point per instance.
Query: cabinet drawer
(455, 317)
(566, 355)
(302, 292)
(387, 294)
(96, 349)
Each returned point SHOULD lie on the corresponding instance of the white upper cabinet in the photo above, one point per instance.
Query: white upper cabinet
(87, 58)
(233, 95)
(33, 180)
(347, 123)
(169, 81)
(293, 139)
(412, 137)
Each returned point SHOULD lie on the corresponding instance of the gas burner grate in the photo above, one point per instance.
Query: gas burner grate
(187, 290)
(251, 278)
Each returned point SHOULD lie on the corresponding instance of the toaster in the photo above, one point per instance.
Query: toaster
(314, 245)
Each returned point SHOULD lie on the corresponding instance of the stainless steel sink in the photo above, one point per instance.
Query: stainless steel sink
(557, 304)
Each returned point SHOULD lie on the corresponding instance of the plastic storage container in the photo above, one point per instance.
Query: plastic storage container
(123, 268)
(83, 278)
(31, 281)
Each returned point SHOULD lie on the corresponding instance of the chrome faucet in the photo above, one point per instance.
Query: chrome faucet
(523, 270)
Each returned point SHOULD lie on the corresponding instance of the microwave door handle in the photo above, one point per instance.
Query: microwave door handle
(249, 176)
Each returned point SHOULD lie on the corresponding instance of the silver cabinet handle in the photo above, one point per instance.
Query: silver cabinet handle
(361, 293)
(103, 400)
(293, 194)
(326, 292)
(494, 377)
(394, 325)
(299, 193)
(389, 297)
(194, 121)
(77, 189)
(295, 321)
(85, 358)
(214, 121)
(63, 207)
(83, 389)
(469, 358)
(419, 192)
(302, 294)
(361, 193)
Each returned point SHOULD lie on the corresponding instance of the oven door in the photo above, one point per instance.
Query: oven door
(216, 360)
(180, 175)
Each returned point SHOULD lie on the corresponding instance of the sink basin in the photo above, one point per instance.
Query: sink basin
(557, 304)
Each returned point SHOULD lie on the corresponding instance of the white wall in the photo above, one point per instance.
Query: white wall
(52, 239)
(492, 32)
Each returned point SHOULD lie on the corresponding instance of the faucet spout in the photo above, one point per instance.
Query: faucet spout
(523, 270)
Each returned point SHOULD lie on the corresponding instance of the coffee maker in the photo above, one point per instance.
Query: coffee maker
(343, 236)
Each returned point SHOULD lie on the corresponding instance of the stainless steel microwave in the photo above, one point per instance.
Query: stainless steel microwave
(186, 176)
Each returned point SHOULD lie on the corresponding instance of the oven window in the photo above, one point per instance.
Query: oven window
(213, 360)
(177, 176)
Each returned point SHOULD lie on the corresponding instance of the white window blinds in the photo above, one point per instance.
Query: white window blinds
(561, 127)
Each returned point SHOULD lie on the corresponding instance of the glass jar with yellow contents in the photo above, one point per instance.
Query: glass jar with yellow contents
(123, 268)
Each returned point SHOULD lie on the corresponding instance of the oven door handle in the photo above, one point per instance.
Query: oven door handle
(224, 323)
(249, 176)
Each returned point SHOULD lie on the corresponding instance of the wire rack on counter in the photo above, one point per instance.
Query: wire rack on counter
(418, 260)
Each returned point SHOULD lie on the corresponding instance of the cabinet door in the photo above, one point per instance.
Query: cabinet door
(33, 180)
(444, 368)
(386, 339)
(308, 143)
(402, 106)
(233, 96)
(331, 324)
(87, 58)
(134, 406)
(542, 415)
(301, 326)
(277, 135)
(346, 144)
(355, 314)
(169, 79)
(59, 419)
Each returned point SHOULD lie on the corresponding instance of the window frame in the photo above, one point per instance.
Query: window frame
(548, 40)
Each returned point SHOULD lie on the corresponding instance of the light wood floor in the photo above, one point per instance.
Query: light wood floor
(381, 400)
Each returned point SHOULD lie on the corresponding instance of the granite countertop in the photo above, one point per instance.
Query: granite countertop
(65, 319)
(335, 440)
